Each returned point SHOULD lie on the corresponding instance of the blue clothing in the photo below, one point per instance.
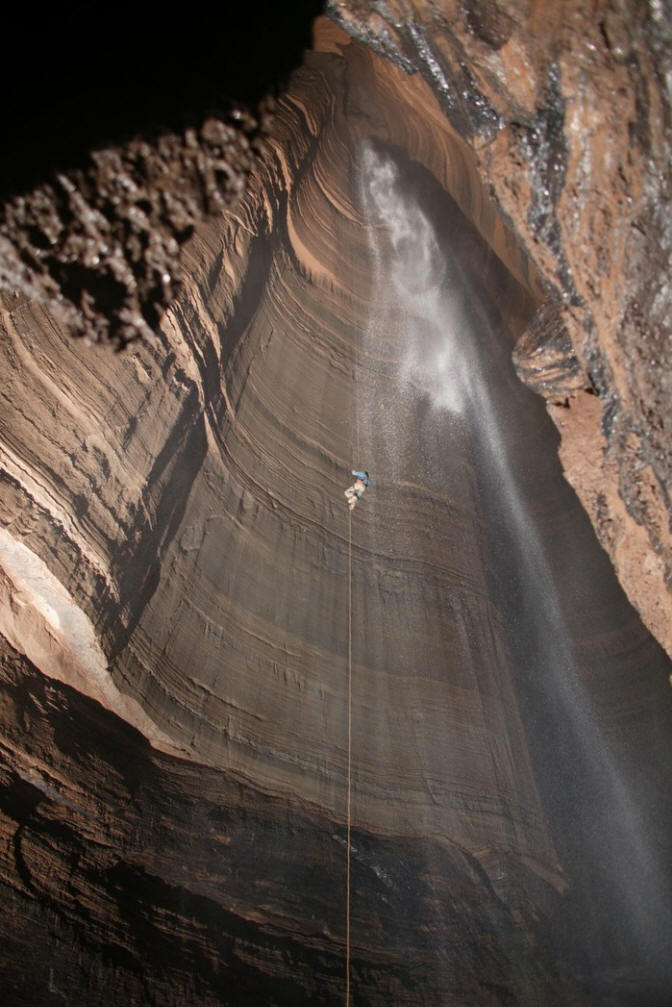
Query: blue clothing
(364, 476)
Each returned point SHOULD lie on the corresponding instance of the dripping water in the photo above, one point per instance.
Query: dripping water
(430, 340)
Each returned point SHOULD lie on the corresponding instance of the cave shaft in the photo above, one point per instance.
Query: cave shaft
(174, 728)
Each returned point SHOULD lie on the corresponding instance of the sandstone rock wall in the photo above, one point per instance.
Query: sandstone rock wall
(187, 497)
(213, 507)
(565, 110)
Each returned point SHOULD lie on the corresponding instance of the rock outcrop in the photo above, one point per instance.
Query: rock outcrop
(119, 141)
(566, 111)
(175, 558)
(565, 116)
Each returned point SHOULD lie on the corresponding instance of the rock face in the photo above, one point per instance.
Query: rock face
(176, 560)
(122, 142)
(566, 112)
(565, 116)
(100, 247)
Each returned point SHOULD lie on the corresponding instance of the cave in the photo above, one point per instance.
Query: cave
(256, 748)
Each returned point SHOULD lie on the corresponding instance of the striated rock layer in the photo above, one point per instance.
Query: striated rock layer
(566, 113)
(175, 558)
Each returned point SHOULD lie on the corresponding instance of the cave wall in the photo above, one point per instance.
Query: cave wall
(563, 114)
(185, 495)
(190, 511)
(566, 113)
(189, 807)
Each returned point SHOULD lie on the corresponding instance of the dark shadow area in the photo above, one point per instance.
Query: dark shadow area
(137, 564)
(83, 77)
(177, 884)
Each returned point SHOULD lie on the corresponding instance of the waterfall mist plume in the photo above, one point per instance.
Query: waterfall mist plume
(418, 278)
(428, 321)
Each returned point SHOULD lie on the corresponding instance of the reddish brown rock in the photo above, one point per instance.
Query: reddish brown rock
(120, 139)
(567, 112)
(100, 246)
(173, 715)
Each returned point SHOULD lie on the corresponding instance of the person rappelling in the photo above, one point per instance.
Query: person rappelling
(356, 491)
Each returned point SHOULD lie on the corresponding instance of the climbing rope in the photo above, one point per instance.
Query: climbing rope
(349, 784)
(347, 868)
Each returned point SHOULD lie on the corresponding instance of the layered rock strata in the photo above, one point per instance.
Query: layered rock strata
(566, 113)
(179, 828)
(233, 440)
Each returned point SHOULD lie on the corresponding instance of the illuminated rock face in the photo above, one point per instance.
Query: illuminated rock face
(187, 842)
(566, 113)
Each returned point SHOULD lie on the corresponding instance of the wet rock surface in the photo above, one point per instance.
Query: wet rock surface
(120, 139)
(568, 113)
(100, 247)
(173, 731)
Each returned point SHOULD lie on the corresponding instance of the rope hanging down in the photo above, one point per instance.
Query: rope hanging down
(349, 788)
(353, 494)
